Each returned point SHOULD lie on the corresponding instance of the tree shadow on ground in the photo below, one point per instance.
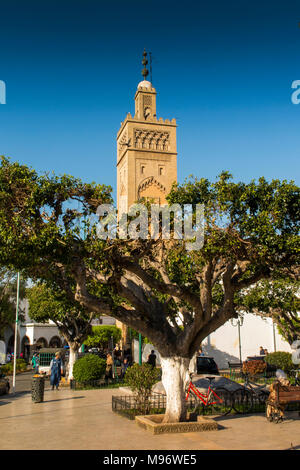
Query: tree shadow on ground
(62, 399)
(4, 402)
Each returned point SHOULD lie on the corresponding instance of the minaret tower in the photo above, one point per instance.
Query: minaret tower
(146, 156)
(146, 150)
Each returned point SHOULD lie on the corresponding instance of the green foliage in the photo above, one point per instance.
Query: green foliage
(251, 231)
(281, 359)
(38, 215)
(89, 367)
(21, 366)
(141, 380)
(277, 298)
(49, 303)
(256, 225)
(265, 213)
(8, 293)
(133, 334)
(101, 336)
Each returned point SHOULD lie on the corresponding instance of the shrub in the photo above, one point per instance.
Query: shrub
(88, 368)
(281, 360)
(141, 380)
(8, 368)
(254, 367)
(5, 369)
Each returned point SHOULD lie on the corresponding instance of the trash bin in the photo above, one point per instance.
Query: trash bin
(37, 388)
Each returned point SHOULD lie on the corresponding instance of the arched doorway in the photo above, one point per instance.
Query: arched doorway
(25, 347)
(11, 344)
(42, 343)
(55, 342)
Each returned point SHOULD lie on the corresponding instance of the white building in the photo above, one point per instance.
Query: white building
(224, 345)
(228, 343)
(32, 334)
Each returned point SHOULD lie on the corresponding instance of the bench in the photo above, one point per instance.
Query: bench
(235, 365)
(279, 397)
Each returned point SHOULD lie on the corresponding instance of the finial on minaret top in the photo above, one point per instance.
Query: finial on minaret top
(145, 72)
(145, 85)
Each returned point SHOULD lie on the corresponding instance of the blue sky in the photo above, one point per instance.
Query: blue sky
(223, 69)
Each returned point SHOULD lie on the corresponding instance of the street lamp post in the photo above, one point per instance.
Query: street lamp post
(16, 333)
(239, 322)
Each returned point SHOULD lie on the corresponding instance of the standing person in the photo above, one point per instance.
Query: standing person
(266, 352)
(152, 359)
(56, 371)
(127, 354)
(200, 352)
(35, 361)
(109, 366)
(125, 366)
(261, 351)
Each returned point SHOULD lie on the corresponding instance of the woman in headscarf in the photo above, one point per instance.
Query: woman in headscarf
(56, 371)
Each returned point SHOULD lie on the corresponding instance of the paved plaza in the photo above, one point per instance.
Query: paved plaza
(84, 420)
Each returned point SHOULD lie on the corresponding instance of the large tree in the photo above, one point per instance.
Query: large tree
(72, 320)
(174, 297)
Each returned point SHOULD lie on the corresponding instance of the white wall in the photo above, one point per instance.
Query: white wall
(223, 344)
(36, 331)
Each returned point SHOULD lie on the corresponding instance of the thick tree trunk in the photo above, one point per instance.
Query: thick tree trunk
(72, 358)
(174, 378)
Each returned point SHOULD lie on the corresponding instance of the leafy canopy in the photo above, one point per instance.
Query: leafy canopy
(101, 336)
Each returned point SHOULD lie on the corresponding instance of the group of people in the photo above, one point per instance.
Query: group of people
(116, 360)
(10, 356)
(263, 351)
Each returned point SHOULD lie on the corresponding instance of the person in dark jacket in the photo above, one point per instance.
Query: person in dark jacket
(125, 366)
(152, 359)
(56, 370)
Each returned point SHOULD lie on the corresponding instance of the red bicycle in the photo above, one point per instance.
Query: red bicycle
(220, 403)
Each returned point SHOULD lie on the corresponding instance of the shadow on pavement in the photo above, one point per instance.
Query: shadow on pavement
(62, 399)
(293, 447)
(4, 402)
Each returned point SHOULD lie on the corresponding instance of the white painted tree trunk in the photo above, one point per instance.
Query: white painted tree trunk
(72, 358)
(174, 378)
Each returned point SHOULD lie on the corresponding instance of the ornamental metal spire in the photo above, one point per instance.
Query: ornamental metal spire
(145, 71)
